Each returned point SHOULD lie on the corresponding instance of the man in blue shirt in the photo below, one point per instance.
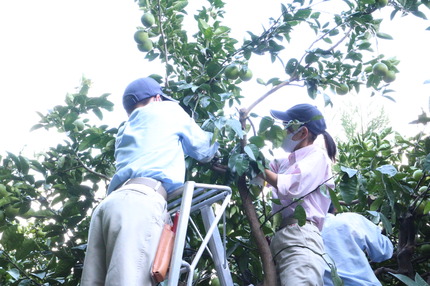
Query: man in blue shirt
(349, 238)
(125, 228)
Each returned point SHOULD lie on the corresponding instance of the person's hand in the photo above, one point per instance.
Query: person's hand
(216, 163)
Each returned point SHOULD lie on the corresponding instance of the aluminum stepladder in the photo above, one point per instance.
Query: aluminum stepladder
(199, 197)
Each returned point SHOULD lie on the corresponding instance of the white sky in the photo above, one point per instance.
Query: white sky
(48, 45)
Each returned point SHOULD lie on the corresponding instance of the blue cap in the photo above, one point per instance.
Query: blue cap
(308, 114)
(140, 89)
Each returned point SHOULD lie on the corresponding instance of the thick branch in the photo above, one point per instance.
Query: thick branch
(270, 277)
(163, 37)
(245, 111)
(258, 234)
(91, 171)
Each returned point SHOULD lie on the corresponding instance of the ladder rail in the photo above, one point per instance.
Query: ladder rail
(207, 238)
(195, 197)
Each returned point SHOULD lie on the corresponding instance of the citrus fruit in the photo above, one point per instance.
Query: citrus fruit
(389, 77)
(245, 75)
(140, 36)
(231, 71)
(146, 46)
(79, 125)
(342, 89)
(213, 69)
(425, 249)
(147, 19)
(11, 212)
(291, 66)
(381, 3)
(380, 69)
(417, 174)
(215, 282)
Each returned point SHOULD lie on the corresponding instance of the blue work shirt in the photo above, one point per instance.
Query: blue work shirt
(348, 237)
(153, 141)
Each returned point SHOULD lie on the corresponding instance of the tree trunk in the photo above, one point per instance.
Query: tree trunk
(406, 245)
(270, 277)
(257, 233)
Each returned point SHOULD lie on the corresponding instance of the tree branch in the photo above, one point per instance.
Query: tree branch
(163, 37)
(7, 256)
(91, 171)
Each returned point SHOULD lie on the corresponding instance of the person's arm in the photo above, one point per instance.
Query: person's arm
(378, 246)
(196, 142)
(271, 178)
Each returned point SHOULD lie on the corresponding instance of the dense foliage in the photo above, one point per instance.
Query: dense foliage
(46, 201)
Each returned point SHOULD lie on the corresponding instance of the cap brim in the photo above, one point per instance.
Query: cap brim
(281, 115)
(169, 98)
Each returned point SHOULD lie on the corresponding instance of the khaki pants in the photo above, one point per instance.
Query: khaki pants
(294, 250)
(124, 233)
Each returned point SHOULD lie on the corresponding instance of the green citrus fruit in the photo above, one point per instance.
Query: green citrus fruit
(11, 212)
(342, 89)
(140, 36)
(380, 69)
(215, 282)
(147, 19)
(422, 189)
(245, 75)
(213, 69)
(291, 66)
(79, 125)
(417, 174)
(146, 46)
(40, 233)
(425, 229)
(381, 3)
(231, 72)
(389, 77)
(425, 249)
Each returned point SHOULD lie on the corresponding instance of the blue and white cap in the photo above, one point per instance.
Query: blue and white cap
(140, 89)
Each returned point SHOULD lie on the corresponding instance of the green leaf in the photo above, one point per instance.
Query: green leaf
(25, 249)
(384, 36)
(276, 135)
(351, 172)
(265, 123)
(11, 239)
(426, 164)
(303, 13)
(405, 279)
(257, 141)
(236, 126)
(238, 163)
(386, 224)
(348, 188)
(420, 281)
(388, 170)
(300, 215)
(98, 113)
(334, 199)
(248, 150)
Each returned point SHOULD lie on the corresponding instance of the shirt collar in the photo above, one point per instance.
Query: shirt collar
(302, 152)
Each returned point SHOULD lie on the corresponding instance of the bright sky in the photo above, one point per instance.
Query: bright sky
(47, 46)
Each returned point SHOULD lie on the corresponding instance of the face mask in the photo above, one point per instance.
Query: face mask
(289, 144)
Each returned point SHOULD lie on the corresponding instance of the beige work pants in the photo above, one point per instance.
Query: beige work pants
(295, 249)
(124, 233)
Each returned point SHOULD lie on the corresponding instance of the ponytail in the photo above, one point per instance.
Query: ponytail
(330, 145)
